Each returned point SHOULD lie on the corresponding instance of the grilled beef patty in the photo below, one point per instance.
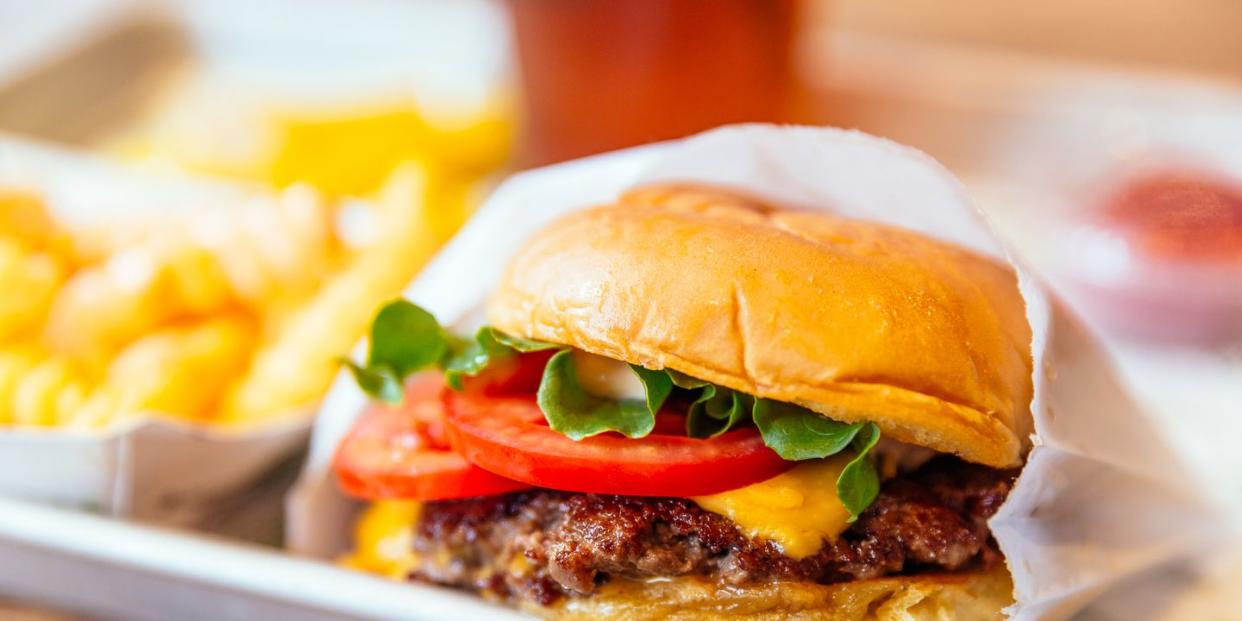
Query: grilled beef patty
(543, 544)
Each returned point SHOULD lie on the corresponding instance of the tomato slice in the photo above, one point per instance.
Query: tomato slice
(508, 435)
(402, 453)
(511, 375)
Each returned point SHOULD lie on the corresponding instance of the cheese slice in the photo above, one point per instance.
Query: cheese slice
(797, 510)
(383, 539)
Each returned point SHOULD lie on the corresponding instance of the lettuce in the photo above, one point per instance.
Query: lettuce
(572, 411)
(405, 339)
(797, 433)
(859, 483)
(489, 344)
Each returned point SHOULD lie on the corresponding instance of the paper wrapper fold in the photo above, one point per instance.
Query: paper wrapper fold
(1101, 497)
(154, 469)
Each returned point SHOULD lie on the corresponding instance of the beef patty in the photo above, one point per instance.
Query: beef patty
(544, 544)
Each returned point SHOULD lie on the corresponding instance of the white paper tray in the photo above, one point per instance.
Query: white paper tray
(158, 469)
(114, 570)
(110, 68)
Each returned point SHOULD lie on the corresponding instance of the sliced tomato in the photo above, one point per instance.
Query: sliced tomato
(511, 375)
(402, 453)
(509, 436)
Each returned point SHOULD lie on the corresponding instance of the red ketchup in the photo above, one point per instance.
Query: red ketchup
(1180, 217)
(1167, 257)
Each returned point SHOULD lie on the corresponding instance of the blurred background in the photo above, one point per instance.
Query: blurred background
(313, 155)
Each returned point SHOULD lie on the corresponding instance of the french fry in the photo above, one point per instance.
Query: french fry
(25, 218)
(101, 308)
(237, 312)
(181, 371)
(95, 241)
(270, 249)
(15, 363)
(47, 393)
(294, 367)
(30, 280)
(100, 409)
(196, 284)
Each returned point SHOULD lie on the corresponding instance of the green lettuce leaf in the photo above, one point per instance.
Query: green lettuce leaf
(657, 385)
(490, 344)
(404, 338)
(572, 411)
(380, 383)
(796, 433)
(698, 423)
(519, 344)
(681, 380)
(716, 411)
(859, 483)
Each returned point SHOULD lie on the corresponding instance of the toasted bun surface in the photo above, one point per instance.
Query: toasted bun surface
(962, 597)
(855, 320)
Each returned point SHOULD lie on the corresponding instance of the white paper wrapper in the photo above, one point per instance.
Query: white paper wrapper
(156, 470)
(1101, 497)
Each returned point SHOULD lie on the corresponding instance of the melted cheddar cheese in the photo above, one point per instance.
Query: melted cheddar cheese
(797, 510)
(383, 538)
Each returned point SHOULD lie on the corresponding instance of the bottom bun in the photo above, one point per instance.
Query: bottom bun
(979, 596)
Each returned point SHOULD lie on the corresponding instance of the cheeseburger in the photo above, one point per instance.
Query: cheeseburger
(693, 404)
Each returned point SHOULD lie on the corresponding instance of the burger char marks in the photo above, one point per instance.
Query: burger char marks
(543, 544)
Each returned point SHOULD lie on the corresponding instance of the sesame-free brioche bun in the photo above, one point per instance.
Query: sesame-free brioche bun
(855, 320)
(976, 596)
